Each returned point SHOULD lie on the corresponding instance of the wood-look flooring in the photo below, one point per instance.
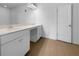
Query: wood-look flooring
(48, 47)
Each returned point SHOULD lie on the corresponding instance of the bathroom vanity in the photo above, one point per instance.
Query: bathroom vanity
(16, 41)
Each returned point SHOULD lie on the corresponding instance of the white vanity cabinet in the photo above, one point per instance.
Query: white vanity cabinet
(35, 34)
(15, 44)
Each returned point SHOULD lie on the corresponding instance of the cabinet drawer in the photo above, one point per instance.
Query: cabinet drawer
(11, 36)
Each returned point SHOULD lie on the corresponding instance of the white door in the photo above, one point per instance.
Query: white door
(64, 23)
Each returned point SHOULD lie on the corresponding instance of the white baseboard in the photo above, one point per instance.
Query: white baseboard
(50, 37)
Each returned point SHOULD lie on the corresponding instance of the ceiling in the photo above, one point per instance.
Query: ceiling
(12, 5)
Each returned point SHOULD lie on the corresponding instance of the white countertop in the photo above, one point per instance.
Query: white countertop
(7, 30)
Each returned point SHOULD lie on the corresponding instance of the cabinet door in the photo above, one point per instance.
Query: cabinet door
(11, 48)
(39, 32)
(35, 34)
(25, 42)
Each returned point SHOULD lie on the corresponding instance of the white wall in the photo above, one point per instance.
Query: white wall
(13, 16)
(4, 16)
(76, 23)
(18, 15)
(45, 14)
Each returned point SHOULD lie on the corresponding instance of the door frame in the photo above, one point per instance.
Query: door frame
(71, 23)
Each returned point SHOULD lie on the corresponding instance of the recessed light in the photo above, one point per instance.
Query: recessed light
(5, 6)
